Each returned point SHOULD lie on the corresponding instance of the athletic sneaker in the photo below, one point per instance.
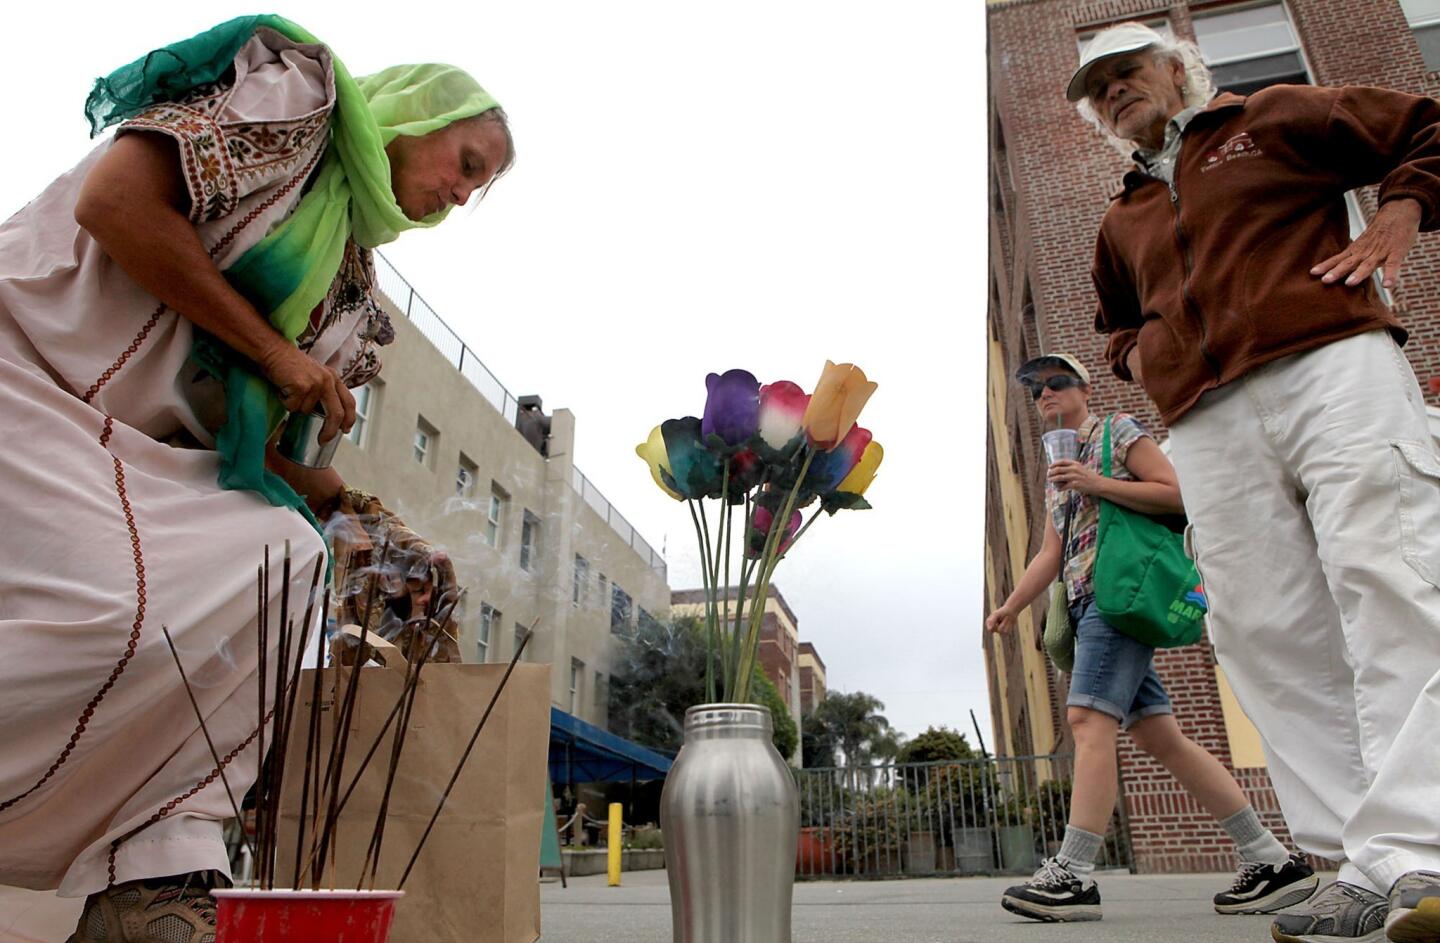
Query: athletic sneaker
(1054, 895)
(1415, 908)
(1261, 888)
(174, 910)
(1339, 913)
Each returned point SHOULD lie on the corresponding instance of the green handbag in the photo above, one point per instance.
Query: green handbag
(1145, 585)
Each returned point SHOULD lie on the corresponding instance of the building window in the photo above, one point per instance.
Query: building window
(424, 442)
(465, 474)
(489, 619)
(529, 540)
(495, 516)
(1424, 19)
(577, 675)
(519, 638)
(364, 402)
(1250, 48)
(581, 578)
(648, 623)
(619, 609)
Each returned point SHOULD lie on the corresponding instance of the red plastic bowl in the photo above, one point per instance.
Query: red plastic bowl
(252, 916)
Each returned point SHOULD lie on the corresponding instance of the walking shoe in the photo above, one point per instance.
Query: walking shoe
(1054, 895)
(1338, 914)
(156, 910)
(1261, 888)
(1415, 908)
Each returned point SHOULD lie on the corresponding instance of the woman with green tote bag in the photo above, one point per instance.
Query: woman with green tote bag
(1113, 682)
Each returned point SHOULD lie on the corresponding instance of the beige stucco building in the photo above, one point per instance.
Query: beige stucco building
(534, 542)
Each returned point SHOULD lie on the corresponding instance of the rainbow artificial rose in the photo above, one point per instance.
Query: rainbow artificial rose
(732, 407)
(839, 397)
(782, 407)
(760, 528)
(652, 450)
(695, 471)
(860, 477)
(829, 469)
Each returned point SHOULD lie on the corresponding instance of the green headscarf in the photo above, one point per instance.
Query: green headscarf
(290, 271)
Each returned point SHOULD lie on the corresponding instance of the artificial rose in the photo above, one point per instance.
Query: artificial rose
(695, 471)
(829, 469)
(652, 450)
(759, 533)
(782, 407)
(839, 397)
(732, 407)
(863, 474)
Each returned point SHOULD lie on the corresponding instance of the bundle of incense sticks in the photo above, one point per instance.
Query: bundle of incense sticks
(322, 800)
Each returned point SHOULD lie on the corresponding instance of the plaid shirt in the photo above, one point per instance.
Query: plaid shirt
(1085, 521)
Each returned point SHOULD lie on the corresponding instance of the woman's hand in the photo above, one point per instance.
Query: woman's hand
(1002, 620)
(304, 383)
(1074, 476)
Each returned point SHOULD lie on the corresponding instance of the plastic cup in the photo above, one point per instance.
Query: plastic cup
(1061, 445)
(244, 915)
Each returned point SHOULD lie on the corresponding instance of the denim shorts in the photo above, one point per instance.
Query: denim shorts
(1113, 674)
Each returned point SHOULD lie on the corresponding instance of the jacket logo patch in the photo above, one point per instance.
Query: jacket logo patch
(1239, 147)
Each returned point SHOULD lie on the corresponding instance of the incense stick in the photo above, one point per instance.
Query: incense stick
(519, 650)
(214, 753)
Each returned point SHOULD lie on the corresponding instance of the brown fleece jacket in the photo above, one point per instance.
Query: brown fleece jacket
(1211, 277)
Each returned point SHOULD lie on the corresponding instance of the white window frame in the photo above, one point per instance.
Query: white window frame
(489, 618)
(577, 682)
(579, 582)
(1422, 23)
(529, 540)
(495, 515)
(465, 475)
(424, 441)
(364, 403)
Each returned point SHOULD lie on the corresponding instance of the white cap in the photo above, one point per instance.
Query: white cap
(1063, 361)
(1114, 41)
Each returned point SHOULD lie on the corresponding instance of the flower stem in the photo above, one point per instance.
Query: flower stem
(768, 560)
(709, 608)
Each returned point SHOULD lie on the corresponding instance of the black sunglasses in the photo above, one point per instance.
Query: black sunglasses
(1056, 384)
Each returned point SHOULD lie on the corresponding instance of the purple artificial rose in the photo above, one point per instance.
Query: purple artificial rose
(732, 408)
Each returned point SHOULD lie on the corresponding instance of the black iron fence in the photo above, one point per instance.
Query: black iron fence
(978, 816)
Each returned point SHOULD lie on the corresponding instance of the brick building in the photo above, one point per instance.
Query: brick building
(780, 645)
(1050, 179)
(812, 678)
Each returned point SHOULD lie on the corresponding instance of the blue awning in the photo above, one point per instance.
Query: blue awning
(584, 753)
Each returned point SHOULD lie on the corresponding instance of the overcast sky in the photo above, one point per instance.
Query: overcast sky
(699, 187)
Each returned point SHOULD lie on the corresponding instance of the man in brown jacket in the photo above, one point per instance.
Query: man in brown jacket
(1231, 291)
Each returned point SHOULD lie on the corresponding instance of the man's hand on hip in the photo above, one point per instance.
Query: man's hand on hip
(1384, 245)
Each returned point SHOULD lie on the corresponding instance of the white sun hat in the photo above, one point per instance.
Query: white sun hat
(1108, 43)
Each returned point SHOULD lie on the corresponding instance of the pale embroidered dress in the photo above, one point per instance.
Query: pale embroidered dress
(109, 530)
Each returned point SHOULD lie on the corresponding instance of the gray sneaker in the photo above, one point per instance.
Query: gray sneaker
(1415, 908)
(1339, 913)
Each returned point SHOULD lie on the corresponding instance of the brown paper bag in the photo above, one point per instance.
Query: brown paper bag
(477, 879)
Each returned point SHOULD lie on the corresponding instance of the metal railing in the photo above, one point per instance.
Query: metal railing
(404, 297)
(978, 816)
(616, 520)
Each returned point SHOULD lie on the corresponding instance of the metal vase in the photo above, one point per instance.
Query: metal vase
(730, 814)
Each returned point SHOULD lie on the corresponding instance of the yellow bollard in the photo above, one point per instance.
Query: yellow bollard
(615, 837)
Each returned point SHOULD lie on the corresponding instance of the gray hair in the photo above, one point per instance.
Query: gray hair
(1197, 90)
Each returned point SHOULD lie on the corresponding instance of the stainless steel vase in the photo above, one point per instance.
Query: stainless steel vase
(730, 815)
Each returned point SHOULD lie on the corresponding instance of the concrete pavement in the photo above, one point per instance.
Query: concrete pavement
(1149, 908)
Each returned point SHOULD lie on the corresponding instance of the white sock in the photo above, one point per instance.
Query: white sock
(1079, 850)
(1254, 841)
